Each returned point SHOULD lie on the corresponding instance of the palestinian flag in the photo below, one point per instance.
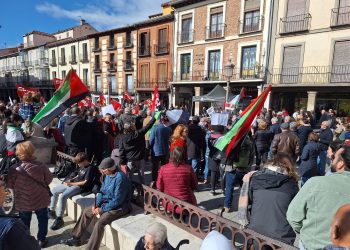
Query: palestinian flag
(71, 91)
(243, 125)
(234, 102)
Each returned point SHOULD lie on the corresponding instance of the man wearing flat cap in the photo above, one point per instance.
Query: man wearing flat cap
(112, 202)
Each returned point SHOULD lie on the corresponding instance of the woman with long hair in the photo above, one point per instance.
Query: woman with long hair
(263, 138)
(178, 139)
(177, 178)
(265, 197)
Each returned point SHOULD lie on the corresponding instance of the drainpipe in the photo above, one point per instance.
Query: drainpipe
(269, 41)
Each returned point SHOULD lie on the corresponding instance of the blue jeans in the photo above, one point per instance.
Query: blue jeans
(66, 192)
(206, 169)
(43, 219)
(321, 163)
(231, 178)
(196, 164)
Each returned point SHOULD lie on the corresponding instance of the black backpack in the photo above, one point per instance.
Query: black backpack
(6, 164)
(65, 169)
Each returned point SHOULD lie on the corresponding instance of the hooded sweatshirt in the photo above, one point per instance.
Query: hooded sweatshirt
(270, 193)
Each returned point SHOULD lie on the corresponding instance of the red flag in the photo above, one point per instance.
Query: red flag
(23, 90)
(57, 83)
(127, 96)
(136, 109)
(242, 94)
(86, 103)
(102, 100)
(248, 116)
(116, 105)
(155, 101)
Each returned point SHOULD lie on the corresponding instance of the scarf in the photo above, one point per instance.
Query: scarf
(243, 203)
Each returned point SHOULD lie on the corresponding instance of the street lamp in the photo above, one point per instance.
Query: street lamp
(228, 73)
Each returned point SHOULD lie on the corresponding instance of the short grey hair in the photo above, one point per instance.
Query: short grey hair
(159, 233)
(274, 119)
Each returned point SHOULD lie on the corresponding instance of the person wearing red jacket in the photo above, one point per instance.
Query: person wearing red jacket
(177, 178)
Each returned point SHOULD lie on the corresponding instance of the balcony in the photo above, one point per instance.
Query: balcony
(73, 59)
(97, 68)
(249, 25)
(30, 63)
(62, 61)
(340, 17)
(24, 64)
(294, 24)
(161, 49)
(255, 73)
(128, 65)
(127, 44)
(96, 49)
(44, 61)
(111, 46)
(53, 62)
(185, 37)
(112, 68)
(144, 51)
(148, 84)
(84, 58)
(215, 31)
(311, 75)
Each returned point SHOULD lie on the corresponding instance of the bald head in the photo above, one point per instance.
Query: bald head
(340, 229)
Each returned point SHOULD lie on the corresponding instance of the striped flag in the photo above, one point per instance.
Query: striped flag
(72, 91)
(155, 101)
(234, 102)
(243, 125)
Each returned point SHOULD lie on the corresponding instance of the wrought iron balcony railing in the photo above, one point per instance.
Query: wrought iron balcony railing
(310, 75)
(185, 36)
(340, 16)
(253, 73)
(62, 61)
(73, 59)
(149, 84)
(84, 58)
(293, 24)
(128, 65)
(249, 25)
(127, 43)
(144, 50)
(215, 31)
(161, 49)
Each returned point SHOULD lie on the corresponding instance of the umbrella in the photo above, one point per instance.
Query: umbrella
(177, 116)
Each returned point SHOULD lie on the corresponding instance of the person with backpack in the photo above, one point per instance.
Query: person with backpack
(80, 182)
(236, 165)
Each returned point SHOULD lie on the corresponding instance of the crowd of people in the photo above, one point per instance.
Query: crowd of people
(293, 170)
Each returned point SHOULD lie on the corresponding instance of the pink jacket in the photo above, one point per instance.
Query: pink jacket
(178, 181)
(29, 195)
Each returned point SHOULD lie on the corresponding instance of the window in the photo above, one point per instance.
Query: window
(97, 62)
(128, 40)
(185, 66)
(144, 74)
(186, 29)
(86, 76)
(128, 63)
(98, 83)
(296, 19)
(248, 62)
(113, 84)
(111, 60)
(214, 66)
(54, 74)
(162, 41)
(85, 52)
(162, 74)
(129, 83)
(63, 74)
(73, 55)
(341, 15)
(341, 62)
(291, 64)
(251, 21)
(144, 49)
(53, 55)
(216, 27)
(97, 43)
(111, 41)
(63, 56)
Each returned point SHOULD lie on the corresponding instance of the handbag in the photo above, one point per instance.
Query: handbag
(38, 182)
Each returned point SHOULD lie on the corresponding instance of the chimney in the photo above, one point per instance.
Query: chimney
(82, 21)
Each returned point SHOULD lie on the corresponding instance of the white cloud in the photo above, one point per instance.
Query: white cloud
(107, 14)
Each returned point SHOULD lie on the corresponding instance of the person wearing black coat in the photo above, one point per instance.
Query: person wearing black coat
(308, 165)
(196, 144)
(262, 139)
(270, 192)
(326, 137)
(76, 133)
(303, 132)
(275, 127)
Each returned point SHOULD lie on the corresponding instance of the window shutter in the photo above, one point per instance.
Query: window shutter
(344, 3)
(216, 10)
(296, 7)
(186, 16)
(251, 5)
(341, 54)
(291, 64)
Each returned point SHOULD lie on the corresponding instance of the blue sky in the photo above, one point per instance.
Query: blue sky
(20, 17)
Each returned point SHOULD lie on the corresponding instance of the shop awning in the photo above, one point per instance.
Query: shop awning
(218, 94)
